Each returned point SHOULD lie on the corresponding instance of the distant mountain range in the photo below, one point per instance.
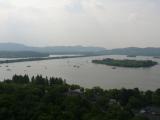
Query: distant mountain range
(51, 50)
(135, 51)
(14, 49)
(21, 54)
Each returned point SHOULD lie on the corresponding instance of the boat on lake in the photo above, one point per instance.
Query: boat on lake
(114, 68)
(76, 66)
(8, 69)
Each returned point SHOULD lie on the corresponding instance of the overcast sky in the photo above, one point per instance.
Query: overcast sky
(106, 23)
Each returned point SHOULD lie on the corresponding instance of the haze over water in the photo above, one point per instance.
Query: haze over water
(88, 74)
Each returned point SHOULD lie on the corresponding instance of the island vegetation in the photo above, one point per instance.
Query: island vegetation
(42, 98)
(126, 63)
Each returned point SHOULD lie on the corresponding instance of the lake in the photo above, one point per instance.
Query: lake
(87, 74)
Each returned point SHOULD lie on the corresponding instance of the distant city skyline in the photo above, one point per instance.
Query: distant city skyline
(103, 23)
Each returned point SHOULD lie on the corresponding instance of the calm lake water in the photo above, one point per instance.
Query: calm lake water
(88, 74)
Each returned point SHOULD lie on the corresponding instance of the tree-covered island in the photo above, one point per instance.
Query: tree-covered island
(126, 63)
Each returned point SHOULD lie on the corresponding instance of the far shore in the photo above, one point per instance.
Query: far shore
(39, 59)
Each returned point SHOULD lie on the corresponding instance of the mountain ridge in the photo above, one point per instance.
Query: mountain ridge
(136, 51)
(49, 49)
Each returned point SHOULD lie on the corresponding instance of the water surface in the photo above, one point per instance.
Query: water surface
(88, 74)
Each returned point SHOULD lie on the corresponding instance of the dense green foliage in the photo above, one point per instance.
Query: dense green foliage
(126, 63)
(41, 98)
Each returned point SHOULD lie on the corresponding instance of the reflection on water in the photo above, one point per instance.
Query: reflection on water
(82, 71)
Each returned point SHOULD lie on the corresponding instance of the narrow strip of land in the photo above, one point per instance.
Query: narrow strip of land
(39, 59)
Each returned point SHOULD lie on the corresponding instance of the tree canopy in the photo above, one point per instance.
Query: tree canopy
(42, 98)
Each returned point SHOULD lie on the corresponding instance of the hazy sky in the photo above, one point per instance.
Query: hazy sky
(107, 23)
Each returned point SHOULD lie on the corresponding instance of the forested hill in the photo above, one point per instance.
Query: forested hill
(52, 98)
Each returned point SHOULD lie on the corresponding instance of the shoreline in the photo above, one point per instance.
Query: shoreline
(39, 59)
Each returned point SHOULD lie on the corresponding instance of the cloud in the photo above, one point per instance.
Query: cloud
(108, 23)
(74, 6)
